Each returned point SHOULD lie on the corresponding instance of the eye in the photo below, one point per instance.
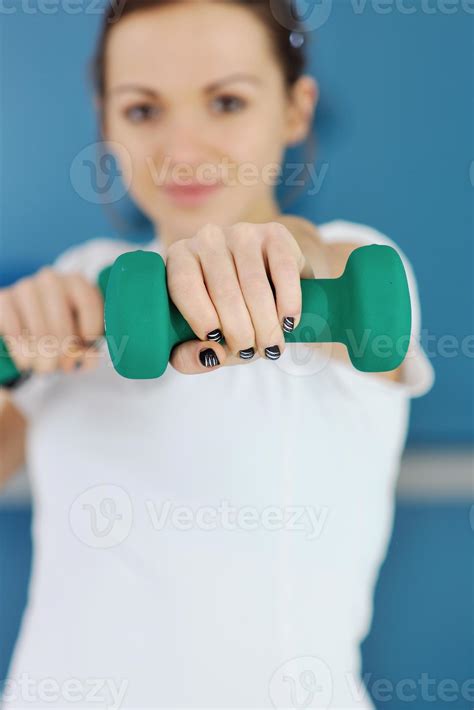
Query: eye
(141, 113)
(229, 103)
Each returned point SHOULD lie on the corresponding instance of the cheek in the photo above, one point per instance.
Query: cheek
(258, 157)
(121, 133)
(141, 168)
(260, 140)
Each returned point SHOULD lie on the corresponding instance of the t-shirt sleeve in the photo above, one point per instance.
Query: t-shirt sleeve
(417, 374)
(88, 259)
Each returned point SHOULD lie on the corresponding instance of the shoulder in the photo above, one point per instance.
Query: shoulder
(91, 256)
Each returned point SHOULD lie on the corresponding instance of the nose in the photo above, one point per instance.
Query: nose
(184, 141)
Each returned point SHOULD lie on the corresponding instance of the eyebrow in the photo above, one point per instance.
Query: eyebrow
(207, 89)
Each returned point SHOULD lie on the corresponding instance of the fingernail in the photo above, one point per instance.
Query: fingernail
(78, 364)
(288, 324)
(247, 354)
(215, 335)
(273, 353)
(208, 358)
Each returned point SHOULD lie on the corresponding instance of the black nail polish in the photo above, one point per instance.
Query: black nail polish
(247, 354)
(273, 353)
(208, 358)
(215, 335)
(288, 324)
(78, 364)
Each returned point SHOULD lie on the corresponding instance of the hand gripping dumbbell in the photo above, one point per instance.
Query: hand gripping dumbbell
(367, 308)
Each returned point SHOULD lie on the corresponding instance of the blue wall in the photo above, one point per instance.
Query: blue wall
(394, 128)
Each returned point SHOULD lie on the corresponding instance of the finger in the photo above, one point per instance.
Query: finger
(259, 299)
(188, 292)
(88, 305)
(223, 286)
(36, 343)
(59, 317)
(285, 274)
(195, 357)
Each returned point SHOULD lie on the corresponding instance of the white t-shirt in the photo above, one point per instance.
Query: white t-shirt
(209, 541)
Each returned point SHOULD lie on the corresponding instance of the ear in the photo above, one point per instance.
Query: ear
(302, 105)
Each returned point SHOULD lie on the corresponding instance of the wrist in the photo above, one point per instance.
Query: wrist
(306, 235)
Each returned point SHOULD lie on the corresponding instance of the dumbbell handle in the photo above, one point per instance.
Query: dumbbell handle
(8, 370)
(320, 325)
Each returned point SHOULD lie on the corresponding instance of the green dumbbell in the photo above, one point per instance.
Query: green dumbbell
(8, 370)
(367, 308)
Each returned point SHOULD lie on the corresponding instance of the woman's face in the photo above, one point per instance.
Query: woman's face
(195, 95)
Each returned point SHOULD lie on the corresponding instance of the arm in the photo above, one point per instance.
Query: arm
(71, 315)
(13, 428)
(309, 241)
(327, 261)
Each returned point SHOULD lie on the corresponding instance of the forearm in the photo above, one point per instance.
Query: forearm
(12, 437)
(309, 241)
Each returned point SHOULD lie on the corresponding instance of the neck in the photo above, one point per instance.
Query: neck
(265, 211)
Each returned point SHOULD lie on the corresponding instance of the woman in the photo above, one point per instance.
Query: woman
(202, 541)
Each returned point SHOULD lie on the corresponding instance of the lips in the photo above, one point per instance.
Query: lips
(190, 194)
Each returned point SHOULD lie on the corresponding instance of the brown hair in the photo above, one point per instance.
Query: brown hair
(288, 41)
